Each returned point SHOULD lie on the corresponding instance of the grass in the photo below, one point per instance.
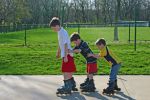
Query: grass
(38, 57)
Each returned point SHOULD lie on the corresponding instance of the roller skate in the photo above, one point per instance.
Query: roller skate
(73, 84)
(89, 87)
(110, 89)
(85, 83)
(66, 89)
(116, 86)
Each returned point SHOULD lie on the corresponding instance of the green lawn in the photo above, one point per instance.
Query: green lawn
(39, 56)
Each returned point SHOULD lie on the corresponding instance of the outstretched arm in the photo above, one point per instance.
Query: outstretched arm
(94, 55)
(75, 51)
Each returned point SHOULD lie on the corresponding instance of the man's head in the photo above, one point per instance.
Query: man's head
(75, 38)
(100, 43)
(55, 24)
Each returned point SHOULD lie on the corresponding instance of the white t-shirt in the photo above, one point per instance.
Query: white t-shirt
(63, 38)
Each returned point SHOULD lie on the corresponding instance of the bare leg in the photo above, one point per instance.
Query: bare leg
(67, 75)
(90, 76)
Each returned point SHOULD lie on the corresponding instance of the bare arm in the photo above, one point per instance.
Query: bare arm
(58, 52)
(94, 55)
(75, 51)
(66, 52)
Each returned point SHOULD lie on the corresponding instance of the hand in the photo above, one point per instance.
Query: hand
(58, 55)
(90, 55)
(77, 50)
(70, 51)
(65, 59)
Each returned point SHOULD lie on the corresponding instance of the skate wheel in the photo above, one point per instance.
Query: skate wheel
(103, 92)
(81, 87)
(63, 93)
(83, 90)
(92, 91)
(119, 89)
(57, 92)
(111, 94)
(67, 93)
(70, 93)
(87, 90)
(75, 89)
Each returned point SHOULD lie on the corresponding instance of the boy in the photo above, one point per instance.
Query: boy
(68, 66)
(83, 48)
(114, 63)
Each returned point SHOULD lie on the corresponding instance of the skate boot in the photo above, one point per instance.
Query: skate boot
(110, 89)
(85, 83)
(89, 87)
(73, 84)
(116, 86)
(66, 89)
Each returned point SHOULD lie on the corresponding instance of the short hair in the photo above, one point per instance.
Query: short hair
(74, 37)
(100, 41)
(55, 21)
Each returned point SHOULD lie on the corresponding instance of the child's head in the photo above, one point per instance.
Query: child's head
(55, 24)
(100, 43)
(75, 38)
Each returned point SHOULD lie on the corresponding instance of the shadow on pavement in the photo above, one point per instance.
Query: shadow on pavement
(96, 95)
(126, 97)
(73, 96)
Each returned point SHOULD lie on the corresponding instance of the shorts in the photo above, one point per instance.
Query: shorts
(68, 66)
(91, 68)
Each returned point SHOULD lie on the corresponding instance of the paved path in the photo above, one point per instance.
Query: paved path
(43, 87)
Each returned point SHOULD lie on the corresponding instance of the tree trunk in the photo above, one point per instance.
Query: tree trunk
(117, 12)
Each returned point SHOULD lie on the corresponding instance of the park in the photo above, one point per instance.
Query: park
(29, 68)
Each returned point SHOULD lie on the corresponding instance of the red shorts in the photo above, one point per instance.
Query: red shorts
(91, 68)
(68, 66)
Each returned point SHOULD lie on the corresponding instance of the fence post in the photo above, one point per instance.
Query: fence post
(135, 29)
(135, 37)
(0, 29)
(25, 36)
(14, 27)
(129, 32)
(79, 28)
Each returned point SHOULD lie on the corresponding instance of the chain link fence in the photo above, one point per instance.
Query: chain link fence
(41, 34)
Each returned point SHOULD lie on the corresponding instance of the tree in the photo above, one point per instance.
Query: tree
(73, 11)
(13, 11)
(117, 13)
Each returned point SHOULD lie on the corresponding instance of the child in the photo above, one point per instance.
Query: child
(83, 48)
(114, 63)
(68, 66)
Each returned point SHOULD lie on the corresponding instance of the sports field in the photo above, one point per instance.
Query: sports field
(38, 57)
